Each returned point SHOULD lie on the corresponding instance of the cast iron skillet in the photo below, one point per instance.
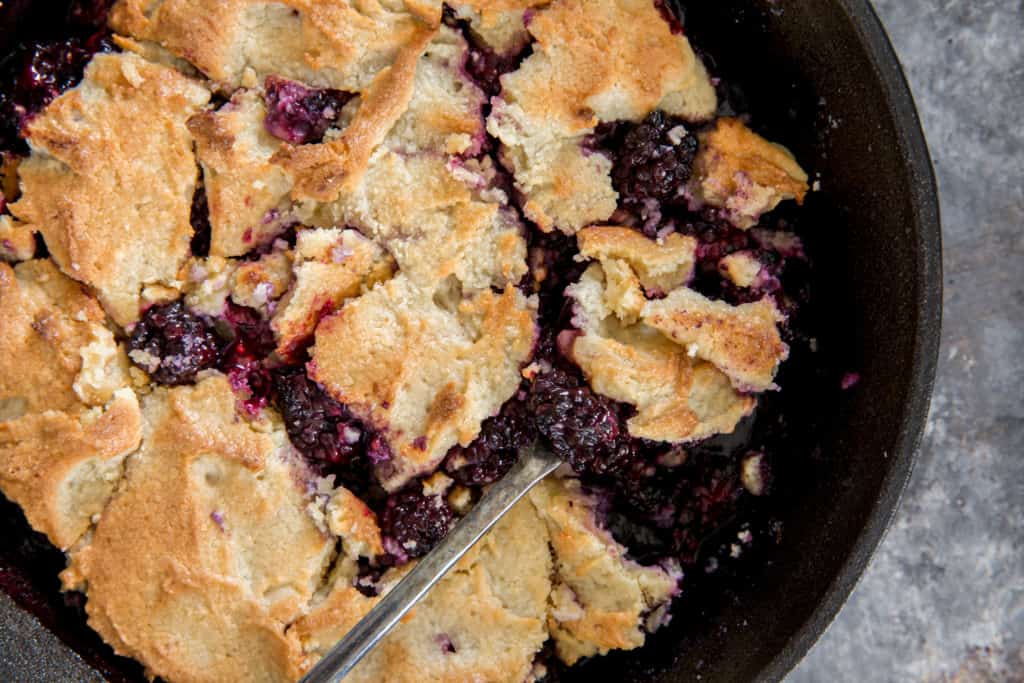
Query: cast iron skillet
(821, 77)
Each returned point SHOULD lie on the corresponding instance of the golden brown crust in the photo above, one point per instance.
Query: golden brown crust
(600, 598)
(330, 266)
(260, 284)
(607, 60)
(485, 621)
(660, 265)
(745, 175)
(425, 374)
(340, 44)
(17, 242)
(323, 171)
(499, 24)
(563, 186)
(111, 177)
(445, 111)
(247, 195)
(593, 61)
(741, 341)
(742, 268)
(349, 518)
(185, 569)
(678, 397)
(429, 215)
(66, 417)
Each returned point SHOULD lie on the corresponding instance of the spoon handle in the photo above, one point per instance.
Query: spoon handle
(534, 464)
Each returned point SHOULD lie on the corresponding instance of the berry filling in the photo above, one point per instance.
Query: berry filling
(662, 502)
(251, 341)
(653, 160)
(298, 114)
(200, 220)
(495, 450)
(173, 345)
(322, 429)
(413, 523)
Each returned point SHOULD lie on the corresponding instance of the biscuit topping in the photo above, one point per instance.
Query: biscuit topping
(310, 274)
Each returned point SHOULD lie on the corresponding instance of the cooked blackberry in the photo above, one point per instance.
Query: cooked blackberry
(173, 344)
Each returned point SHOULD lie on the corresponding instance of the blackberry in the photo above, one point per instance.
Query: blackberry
(174, 344)
(582, 427)
(251, 341)
(414, 523)
(319, 427)
(298, 114)
(654, 160)
(495, 450)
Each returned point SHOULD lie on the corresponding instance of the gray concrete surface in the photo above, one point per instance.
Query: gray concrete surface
(943, 600)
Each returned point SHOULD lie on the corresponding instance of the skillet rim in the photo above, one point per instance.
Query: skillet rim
(927, 233)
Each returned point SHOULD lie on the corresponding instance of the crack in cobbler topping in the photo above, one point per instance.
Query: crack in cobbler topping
(301, 115)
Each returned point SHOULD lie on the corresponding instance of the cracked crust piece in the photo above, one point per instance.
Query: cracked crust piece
(743, 174)
(678, 398)
(445, 111)
(741, 341)
(660, 266)
(67, 416)
(424, 368)
(110, 180)
(184, 570)
(424, 102)
(17, 243)
(438, 218)
(563, 185)
(349, 518)
(331, 265)
(498, 24)
(593, 61)
(742, 268)
(341, 44)
(248, 197)
(324, 171)
(260, 284)
(607, 60)
(500, 590)
(600, 601)
(210, 281)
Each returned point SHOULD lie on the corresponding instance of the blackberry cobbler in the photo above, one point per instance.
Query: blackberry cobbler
(290, 283)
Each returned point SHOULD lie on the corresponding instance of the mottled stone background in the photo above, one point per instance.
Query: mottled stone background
(943, 599)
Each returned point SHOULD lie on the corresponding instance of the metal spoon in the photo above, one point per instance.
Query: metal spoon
(534, 464)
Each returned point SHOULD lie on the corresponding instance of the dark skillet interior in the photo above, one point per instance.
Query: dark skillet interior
(819, 77)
